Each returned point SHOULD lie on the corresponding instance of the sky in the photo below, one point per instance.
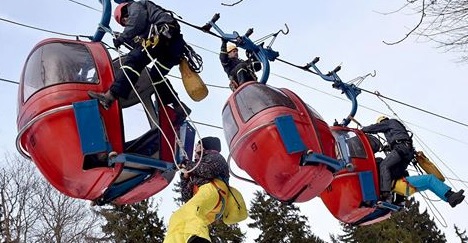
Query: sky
(346, 33)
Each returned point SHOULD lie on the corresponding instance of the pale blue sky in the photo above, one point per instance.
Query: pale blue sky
(349, 33)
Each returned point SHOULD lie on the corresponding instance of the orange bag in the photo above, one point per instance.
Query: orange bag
(193, 84)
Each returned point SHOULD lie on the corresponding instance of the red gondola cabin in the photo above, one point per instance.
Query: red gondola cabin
(68, 136)
(282, 143)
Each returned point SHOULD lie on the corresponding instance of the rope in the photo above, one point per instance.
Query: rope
(44, 30)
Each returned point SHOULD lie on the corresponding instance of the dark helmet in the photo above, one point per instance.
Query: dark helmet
(211, 143)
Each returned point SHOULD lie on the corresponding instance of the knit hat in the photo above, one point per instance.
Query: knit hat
(211, 143)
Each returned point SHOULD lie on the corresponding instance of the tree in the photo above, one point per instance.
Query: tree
(443, 22)
(137, 222)
(279, 222)
(35, 212)
(221, 233)
(63, 219)
(405, 226)
(18, 187)
(461, 235)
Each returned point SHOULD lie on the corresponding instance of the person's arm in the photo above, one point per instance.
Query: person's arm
(223, 55)
(375, 128)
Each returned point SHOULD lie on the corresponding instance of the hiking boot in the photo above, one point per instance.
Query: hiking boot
(455, 198)
(105, 99)
(386, 197)
(181, 113)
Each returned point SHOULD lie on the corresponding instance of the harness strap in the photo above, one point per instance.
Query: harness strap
(221, 200)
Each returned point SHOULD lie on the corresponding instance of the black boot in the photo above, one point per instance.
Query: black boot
(386, 197)
(455, 198)
(105, 99)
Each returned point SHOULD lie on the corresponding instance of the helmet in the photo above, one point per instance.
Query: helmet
(118, 12)
(381, 118)
(231, 47)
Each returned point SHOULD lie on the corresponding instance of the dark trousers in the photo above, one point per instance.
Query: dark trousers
(168, 53)
(243, 73)
(392, 159)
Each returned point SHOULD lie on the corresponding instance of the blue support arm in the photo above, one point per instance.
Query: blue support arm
(105, 20)
(350, 90)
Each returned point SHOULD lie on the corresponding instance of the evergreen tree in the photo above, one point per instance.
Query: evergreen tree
(279, 222)
(461, 235)
(219, 231)
(405, 226)
(222, 233)
(137, 222)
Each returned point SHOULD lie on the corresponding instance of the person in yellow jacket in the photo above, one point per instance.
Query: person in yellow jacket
(408, 185)
(204, 190)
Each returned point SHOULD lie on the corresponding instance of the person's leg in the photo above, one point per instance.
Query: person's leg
(130, 71)
(390, 160)
(429, 182)
(244, 74)
(164, 88)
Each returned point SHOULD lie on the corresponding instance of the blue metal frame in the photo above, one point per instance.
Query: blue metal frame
(116, 191)
(351, 91)
(187, 137)
(105, 20)
(366, 180)
(264, 55)
(312, 158)
(289, 134)
(141, 160)
(91, 131)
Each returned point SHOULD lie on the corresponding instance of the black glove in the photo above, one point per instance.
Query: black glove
(117, 42)
(386, 148)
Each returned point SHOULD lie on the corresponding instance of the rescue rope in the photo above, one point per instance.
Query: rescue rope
(178, 141)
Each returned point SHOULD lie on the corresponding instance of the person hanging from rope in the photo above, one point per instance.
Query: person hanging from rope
(239, 71)
(400, 155)
(204, 191)
(153, 33)
(408, 185)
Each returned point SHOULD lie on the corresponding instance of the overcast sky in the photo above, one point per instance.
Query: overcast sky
(350, 33)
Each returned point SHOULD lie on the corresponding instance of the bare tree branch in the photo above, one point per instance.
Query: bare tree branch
(231, 4)
(444, 22)
(411, 31)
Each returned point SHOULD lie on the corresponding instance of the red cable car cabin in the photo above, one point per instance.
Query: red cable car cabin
(352, 195)
(283, 144)
(68, 136)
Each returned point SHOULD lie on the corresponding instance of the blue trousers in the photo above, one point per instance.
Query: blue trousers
(429, 182)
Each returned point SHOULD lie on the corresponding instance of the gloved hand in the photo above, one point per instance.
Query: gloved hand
(386, 148)
(117, 42)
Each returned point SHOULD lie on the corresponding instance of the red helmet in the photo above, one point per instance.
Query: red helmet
(119, 11)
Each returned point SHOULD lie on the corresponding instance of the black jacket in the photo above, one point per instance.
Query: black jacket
(141, 15)
(230, 65)
(392, 129)
(212, 166)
